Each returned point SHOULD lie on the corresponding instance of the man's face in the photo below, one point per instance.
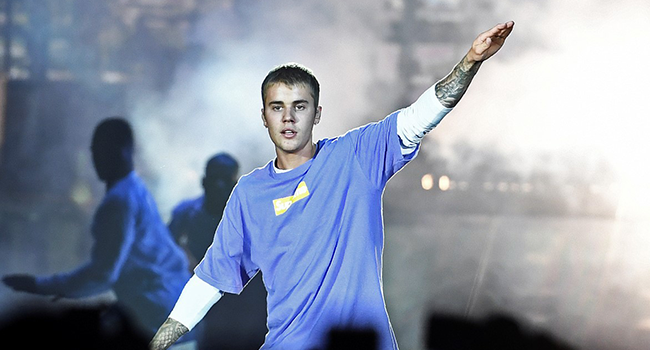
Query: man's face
(289, 114)
(219, 187)
(110, 162)
(102, 161)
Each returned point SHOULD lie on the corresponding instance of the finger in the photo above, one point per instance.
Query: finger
(504, 34)
(498, 28)
(492, 33)
(489, 33)
(506, 30)
(502, 28)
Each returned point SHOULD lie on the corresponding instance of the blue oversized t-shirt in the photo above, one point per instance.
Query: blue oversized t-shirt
(316, 234)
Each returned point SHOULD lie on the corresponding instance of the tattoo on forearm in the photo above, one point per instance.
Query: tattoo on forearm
(167, 334)
(451, 88)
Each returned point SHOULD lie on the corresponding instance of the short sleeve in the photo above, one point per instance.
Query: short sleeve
(379, 151)
(227, 265)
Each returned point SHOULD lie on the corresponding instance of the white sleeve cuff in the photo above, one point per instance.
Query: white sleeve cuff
(194, 302)
(416, 120)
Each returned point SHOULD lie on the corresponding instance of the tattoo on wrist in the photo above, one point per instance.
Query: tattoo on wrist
(451, 88)
(167, 334)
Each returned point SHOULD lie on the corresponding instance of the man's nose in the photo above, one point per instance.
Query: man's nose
(289, 116)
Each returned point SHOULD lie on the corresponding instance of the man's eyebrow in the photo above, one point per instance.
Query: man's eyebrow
(292, 102)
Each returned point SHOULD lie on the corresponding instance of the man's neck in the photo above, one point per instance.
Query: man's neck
(214, 206)
(117, 177)
(287, 161)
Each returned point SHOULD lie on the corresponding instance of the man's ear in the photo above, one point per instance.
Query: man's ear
(319, 109)
(264, 119)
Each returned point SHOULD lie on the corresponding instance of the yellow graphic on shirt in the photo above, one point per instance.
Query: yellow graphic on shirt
(282, 204)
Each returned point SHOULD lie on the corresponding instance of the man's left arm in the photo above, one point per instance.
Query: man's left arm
(423, 115)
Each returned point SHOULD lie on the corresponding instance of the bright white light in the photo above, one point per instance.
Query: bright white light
(444, 183)
(427, 182)
(540, 110)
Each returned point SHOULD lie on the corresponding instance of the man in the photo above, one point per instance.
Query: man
(311, 220)
(193, 224)
(194, 221)
(133, 253)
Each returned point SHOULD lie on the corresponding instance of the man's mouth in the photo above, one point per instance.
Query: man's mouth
(288, 133)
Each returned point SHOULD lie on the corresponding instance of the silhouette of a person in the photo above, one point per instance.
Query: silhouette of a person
(194, 220)
(133, 253)
(193, 225)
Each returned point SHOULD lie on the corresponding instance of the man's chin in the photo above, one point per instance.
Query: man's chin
(286, 148)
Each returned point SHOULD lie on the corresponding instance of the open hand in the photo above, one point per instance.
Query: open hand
(489, 42)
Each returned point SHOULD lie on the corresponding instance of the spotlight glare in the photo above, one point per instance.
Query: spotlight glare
(427, 182)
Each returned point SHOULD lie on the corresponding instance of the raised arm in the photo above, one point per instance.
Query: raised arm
(431, 107)
(451, 88)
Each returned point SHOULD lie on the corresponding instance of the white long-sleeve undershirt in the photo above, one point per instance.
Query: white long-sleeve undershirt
(416, 120)
(195, 301)
(413, 122)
